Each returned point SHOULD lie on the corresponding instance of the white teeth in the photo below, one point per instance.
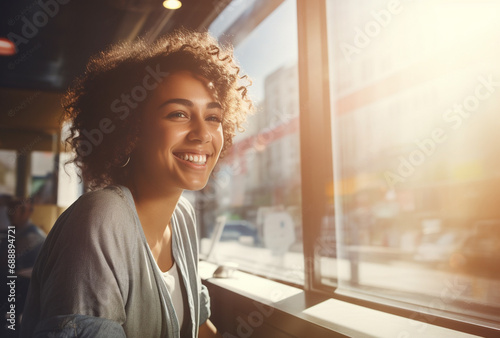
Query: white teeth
(197, 159)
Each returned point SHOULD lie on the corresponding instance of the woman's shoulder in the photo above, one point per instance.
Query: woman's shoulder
(106, 200)
(99, 210)
(110, 197)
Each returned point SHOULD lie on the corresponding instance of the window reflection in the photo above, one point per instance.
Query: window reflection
(256, 186)
(415, 97)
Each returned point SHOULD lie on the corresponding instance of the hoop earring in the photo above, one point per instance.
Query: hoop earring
(124, 165)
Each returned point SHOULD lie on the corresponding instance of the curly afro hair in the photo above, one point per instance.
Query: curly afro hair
(104, 104)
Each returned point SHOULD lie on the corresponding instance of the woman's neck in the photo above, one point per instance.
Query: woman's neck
(155, 208)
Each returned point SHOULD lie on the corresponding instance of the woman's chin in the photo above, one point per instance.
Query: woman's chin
(195, 186)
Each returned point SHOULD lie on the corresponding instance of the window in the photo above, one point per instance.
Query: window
(257, 186)
(391, 183)
(415, 88)
(70, 185)
(43, 178)
(7, 172)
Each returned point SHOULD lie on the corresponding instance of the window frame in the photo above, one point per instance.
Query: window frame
(315, 131)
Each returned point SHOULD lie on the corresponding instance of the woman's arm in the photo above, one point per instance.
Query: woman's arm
(208, 330)
(78, 326)
(74, 281)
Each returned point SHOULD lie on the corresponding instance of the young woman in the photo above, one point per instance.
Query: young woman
(147, 123)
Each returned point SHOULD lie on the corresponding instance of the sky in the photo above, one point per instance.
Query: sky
(271, 45)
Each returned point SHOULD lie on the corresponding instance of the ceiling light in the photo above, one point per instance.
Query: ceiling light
(7, 47)
(172, 4)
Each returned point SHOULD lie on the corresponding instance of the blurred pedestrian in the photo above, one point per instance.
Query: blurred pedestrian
(26, 239)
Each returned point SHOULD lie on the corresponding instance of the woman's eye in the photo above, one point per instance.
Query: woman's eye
(177, 114)
(214, 118)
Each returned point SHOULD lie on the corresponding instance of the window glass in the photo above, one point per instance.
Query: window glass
(229, 15)
(43, 177)
(415, 88)
(7, 172)
(255, 193)
(70, 185)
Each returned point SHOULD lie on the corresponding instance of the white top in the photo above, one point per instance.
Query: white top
(174, 286)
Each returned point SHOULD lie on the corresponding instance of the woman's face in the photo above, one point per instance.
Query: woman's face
(181, 137)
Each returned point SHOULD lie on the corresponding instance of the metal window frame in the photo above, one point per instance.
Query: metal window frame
(315, 131)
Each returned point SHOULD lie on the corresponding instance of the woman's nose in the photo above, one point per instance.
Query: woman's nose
(199, 131)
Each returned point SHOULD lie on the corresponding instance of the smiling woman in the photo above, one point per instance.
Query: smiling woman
(148, 122)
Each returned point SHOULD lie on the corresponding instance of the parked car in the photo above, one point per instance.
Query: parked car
(240, 231)
(436, 248)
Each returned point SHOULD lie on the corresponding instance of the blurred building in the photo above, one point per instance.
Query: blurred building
(282, 158)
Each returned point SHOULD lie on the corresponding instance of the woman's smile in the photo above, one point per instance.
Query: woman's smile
(198, 159)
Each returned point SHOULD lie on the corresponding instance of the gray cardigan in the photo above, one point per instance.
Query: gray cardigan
(95, 277)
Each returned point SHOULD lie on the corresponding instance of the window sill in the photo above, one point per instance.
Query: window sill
(336, 316)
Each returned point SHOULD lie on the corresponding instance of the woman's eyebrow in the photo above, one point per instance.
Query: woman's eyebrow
(212, 105)
(183, 102)
(189, 103)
